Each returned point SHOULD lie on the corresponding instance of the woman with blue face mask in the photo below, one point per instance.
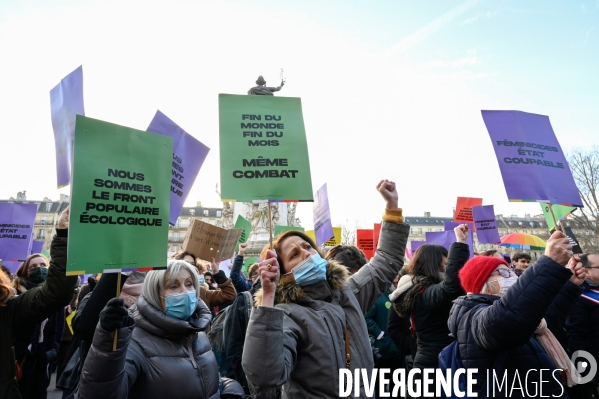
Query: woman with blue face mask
(162, 349)
(310, 311)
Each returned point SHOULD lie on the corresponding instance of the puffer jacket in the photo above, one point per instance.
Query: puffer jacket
(158, 357)
(376, 321)
(583, 323)
(487, 325)
(301, 341)
(32, 307)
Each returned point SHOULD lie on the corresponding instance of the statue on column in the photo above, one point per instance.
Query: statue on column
(262, 89)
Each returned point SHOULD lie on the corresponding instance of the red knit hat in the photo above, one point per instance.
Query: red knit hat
(477, 270)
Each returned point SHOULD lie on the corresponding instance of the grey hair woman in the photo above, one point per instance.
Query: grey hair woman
(161, 344)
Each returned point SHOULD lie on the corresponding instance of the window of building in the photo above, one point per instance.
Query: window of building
(219, 214)
(175, 248)
(205, 212)
(192, 212)
(41, 234)
(175, 236)
(48, 206)
(419, 230)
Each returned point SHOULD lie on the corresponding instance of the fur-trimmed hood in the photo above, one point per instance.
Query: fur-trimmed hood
(291, 292)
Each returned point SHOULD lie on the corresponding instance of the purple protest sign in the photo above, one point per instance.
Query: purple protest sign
(36, 247)
(323, 228)
(530, 158)
(11, 265)
(188, 156)
(443, 238)
(449, 226)
(486, 225)
(414, 245)
(16, 229)
(66, 101)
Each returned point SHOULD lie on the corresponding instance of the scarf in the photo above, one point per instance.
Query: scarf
(557, 354)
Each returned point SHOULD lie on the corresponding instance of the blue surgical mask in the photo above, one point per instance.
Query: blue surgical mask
(310, 271)
(181, 306)
(201, 279)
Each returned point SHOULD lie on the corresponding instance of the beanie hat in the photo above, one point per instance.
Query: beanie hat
(477, 270)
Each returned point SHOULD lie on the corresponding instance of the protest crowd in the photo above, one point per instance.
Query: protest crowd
(299, 316)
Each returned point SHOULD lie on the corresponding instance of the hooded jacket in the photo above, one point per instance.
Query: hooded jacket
(158, 357)
(301, 341)
(486, 325)
(32, 307)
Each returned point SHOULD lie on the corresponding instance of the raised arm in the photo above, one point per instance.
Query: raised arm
(512, 319)
(376, 276)
(239, 283)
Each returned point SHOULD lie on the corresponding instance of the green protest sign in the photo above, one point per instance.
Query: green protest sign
(559, 211)
(120, 198)
(263, 149)
(282, 229)
(247, 229)
(247, 263)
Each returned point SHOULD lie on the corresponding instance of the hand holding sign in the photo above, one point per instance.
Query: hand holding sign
(461, 233)
(269, 276)
(559, 248)
(63, 219)
(389, 193)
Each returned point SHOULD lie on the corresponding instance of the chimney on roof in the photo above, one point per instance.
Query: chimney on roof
(199, 204)
(427, 214)
(64, 198)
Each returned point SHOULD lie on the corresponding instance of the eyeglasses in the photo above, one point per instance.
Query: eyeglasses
(502, 272)
(254, 276)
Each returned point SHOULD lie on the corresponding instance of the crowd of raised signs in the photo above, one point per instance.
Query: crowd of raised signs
(298, 317)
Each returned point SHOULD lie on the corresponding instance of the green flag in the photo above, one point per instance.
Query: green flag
(263, 149)
(247, 229)
(120, 198)
(282, 229)
(560, 212)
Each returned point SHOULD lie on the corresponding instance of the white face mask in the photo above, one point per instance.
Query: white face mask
(505, 283)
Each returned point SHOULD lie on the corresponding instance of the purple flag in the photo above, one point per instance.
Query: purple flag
(323, 228)
(530, 158)
(449, 226)
(486, 225)
(16, 230)
(414, 245)
(36, 247)
(188, 156)
(66, 101)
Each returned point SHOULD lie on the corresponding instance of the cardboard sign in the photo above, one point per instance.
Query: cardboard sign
(365, 241)
(246, 229)
(207, 241)
(532, 163)
(263, 149)
(120, 198)
(463, 209)
(336, 240)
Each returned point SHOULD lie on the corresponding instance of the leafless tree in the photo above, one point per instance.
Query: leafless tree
(584, 164)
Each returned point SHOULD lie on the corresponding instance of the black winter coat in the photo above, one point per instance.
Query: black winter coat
(583, 325)
(33, 306)
(432, 309)
(159, 357)
(487, 325)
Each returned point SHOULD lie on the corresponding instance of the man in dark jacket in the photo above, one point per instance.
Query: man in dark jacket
(504, 314)
(583, 322)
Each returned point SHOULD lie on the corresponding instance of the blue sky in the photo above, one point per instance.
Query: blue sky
(390, 89)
